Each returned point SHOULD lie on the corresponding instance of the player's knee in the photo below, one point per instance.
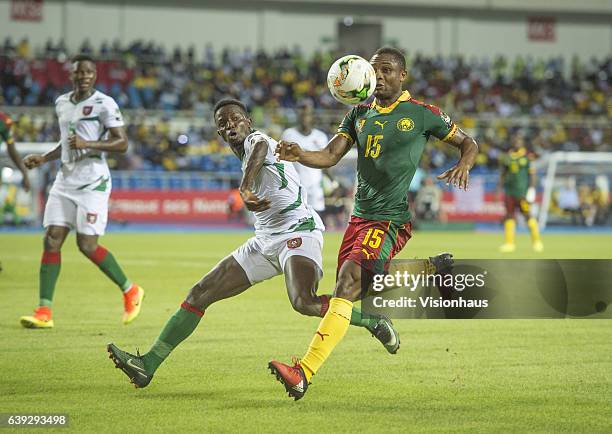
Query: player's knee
(198, 292)
(349, 292)
(87, 247)
(53, 241)
(303, 305)
(348, 285)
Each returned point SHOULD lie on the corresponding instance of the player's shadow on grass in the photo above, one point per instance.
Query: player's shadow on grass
(204, 394)
(213, 394)
(262, 397)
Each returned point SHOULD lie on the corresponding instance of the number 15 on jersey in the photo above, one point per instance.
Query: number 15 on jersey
(373, 145)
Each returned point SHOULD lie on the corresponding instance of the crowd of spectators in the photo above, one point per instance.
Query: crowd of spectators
(162, 142)
(144, 75)
(555, 105)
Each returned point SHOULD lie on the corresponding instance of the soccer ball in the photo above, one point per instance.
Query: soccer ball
(351, 80)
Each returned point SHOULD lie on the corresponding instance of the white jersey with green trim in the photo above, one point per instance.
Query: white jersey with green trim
(90, 119)
(279, 182)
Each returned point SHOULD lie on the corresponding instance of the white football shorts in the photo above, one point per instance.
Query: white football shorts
(85, 210)
(263, 257)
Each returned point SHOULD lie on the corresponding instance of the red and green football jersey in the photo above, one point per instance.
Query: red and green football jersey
(516, 179)
(5, 129)
(390, 142)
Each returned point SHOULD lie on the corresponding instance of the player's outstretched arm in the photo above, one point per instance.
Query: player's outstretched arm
(459, 174)
(34, 160)
(254, 165)
(116, 142)
(337, 147)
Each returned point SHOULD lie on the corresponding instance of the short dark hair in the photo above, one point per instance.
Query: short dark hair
(83, 58)
(398, 56)
(229, 101)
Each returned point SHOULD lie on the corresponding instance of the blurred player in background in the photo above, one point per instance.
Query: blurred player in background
(390, 135)
(310, 139)
(518, 179)
(90, 125)
(6, 136)
(288, 240)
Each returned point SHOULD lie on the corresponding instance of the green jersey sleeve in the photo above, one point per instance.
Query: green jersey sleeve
(347, 126)
(6, 132)
(438, 124)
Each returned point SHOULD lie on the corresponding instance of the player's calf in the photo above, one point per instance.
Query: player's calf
(86, 246)
(348, 285)
(302, 277)
(133, 294)
(226, 280)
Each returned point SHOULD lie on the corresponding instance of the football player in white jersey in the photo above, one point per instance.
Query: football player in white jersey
(310, 139)
(288, 240)
(90, 125)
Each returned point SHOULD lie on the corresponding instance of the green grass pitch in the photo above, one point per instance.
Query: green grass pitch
(449, 376)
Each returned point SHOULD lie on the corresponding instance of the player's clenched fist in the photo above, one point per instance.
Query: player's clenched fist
(76, 142)
(33, 160)
(288, 151)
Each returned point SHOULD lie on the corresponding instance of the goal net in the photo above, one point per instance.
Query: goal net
(17, 206)
(575, 189)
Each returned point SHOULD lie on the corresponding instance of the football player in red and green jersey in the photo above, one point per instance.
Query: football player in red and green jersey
(518, 176)
(6, 136)
(390, 136)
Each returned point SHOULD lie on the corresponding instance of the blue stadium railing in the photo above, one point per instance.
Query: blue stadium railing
(153, 180)
(220, 180)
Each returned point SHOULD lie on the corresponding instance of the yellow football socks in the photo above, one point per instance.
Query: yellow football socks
(509, 229)
(533, 228)
(332, 329)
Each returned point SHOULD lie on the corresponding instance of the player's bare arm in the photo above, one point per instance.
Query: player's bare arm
(459, 174)
(117, 141)
(337, 148)
(16, 159)
(254, 165)
(32, 161)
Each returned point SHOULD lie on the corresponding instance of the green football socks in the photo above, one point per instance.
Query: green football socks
(50, 265)
(177, 329)
(109, 266)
